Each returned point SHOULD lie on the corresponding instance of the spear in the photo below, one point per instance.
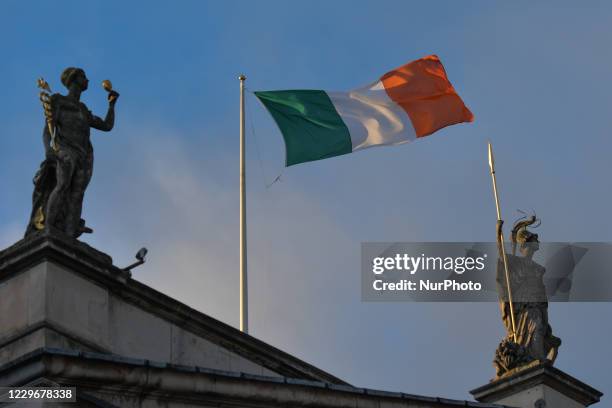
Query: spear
(501, 237)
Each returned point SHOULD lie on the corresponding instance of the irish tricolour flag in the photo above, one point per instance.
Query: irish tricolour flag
(412, 101)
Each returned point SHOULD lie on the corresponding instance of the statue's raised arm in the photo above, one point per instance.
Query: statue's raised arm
(107, 124)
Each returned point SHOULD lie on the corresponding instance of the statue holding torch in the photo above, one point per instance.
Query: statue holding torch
(63, 177)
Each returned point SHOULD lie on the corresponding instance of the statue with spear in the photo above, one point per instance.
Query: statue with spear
(523, 302)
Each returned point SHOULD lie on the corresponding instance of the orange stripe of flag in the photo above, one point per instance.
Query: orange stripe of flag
(423, 90)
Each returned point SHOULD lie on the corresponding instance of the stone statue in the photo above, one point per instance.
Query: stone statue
(535, 343)
(61, 181)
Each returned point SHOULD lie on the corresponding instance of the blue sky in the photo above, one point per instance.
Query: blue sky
(534, 74)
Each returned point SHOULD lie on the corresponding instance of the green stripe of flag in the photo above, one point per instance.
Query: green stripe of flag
(310, 124)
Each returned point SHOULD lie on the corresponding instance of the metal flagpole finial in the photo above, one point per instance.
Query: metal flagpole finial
(242, 77)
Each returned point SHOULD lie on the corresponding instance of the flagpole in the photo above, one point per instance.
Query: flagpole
(501, 238)
(244, 305)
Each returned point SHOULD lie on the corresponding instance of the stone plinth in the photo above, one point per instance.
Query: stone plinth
(539, 386)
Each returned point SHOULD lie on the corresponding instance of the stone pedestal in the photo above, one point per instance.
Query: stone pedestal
(540, 386)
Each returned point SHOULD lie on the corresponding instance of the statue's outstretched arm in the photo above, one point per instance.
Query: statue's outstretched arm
(107, 124)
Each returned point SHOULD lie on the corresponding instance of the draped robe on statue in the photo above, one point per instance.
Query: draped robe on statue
(533, 332)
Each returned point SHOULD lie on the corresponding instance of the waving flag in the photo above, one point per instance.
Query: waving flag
(412, 101)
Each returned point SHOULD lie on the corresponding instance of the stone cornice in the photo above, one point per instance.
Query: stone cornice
(93, 371)
(539, 374)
